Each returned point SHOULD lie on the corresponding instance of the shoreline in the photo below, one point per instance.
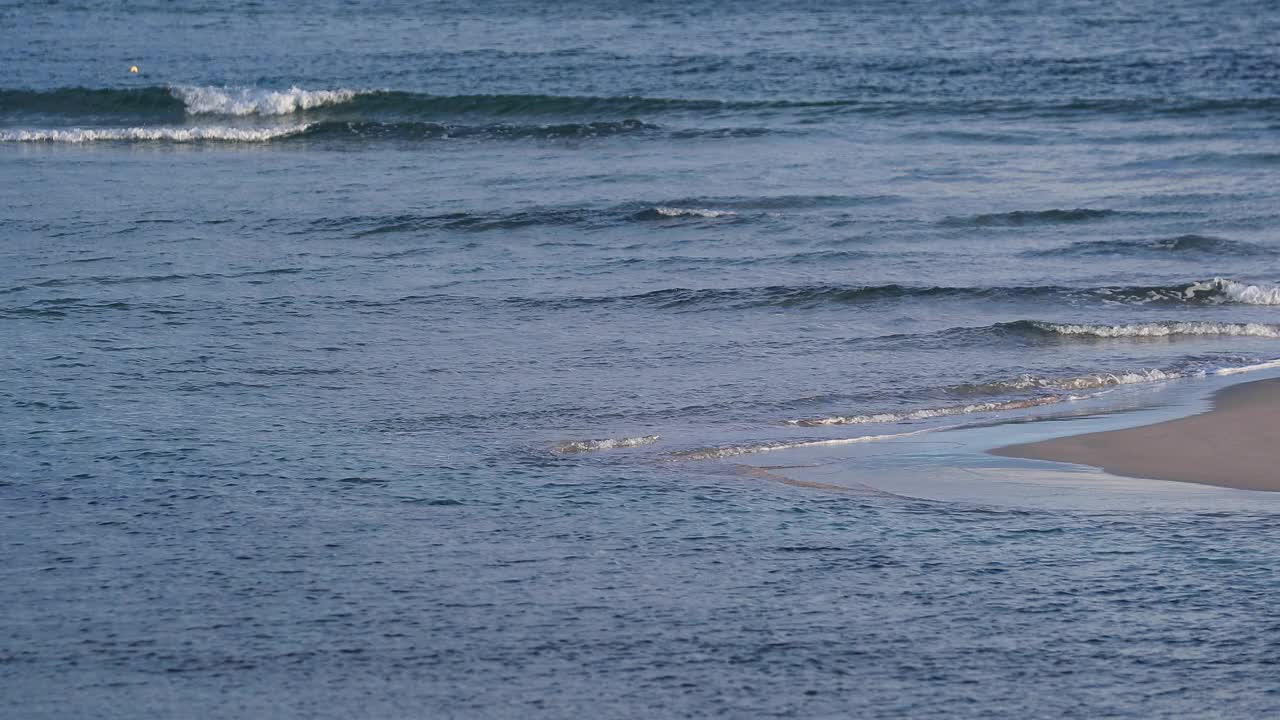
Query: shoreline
(1236, 444)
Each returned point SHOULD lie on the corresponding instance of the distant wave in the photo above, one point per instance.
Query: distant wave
(178, 134)
(581, 446)
(1211, 159)
(1035, 217)
(663, 211)
(239, 101)
(1182, 244)
(1210, 292)
(691, 208)
(808, 296)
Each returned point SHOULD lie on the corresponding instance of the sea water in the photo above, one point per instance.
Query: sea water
(382, 359)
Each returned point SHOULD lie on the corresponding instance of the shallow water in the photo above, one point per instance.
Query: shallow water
(385, 360)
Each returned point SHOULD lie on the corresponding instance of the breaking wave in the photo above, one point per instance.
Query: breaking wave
(1160, 329)
(1029, 381)
(1240, 292)
(581, 446)
(194, 133)
(254, 101)
(675, 212)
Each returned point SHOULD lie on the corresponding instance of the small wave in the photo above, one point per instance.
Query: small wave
(1212, 159)
(580, 446)
(266, 101)
(91, 101)
(1182, 244)
(716, 453)
(407, 103)
(1061, 389)
(1215, 291)
(663, 211)
(255, 101)
(415, 130)
(930, 413)
(194, 133)
(1268, 365)
(1019, 218)
(1161, 329)
(743, 208)
(1096, 381)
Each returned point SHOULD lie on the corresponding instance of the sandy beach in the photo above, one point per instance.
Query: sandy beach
(1236, 444)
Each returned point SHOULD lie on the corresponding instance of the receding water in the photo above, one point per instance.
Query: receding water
(373, 359)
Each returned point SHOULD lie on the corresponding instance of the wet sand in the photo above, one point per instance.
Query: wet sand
(1237, 444)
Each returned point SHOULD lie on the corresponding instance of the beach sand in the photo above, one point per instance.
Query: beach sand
(1237, 444)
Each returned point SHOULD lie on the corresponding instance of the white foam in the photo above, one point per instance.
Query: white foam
(1082, 382)
(735, 450)
(195, 133)
(255, 101)
(1268, 365)
(1164, 329)
(928, 413)
(691, 212)
(578, 446)
(1248, 294)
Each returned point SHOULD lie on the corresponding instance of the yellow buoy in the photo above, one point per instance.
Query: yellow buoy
(133, 69)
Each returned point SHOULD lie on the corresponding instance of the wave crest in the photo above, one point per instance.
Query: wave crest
(1160, 329)
(580, 446)
(177, 134)
(254, 101)
(930, 413)
(663, 211)
(1241, 292)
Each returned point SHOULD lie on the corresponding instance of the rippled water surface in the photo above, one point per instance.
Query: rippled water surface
(387, 360)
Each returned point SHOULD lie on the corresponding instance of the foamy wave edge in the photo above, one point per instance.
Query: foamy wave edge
(1100, 384)
(196, 133)
(929, 413)
(1163, 329)
(256, 101)
(672, 212)
(1236, 291)
(736, 450)
(569, 447)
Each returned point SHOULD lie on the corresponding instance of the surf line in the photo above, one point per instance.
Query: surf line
(736, 450)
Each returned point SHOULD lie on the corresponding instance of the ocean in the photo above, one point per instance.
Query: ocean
(388, 360)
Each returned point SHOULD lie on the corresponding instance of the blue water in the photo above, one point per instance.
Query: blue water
(371, 359)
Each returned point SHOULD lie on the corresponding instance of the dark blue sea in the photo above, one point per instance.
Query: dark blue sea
(373, 359)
